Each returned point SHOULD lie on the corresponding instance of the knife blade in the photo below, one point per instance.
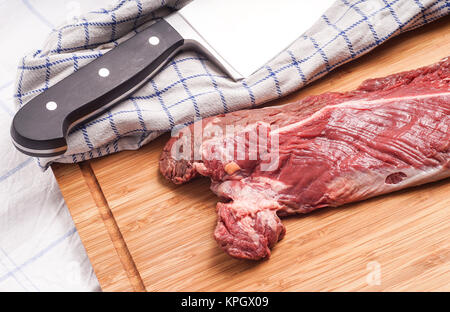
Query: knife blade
(239, 36)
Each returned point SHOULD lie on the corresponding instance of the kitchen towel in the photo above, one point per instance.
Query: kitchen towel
(190, 86)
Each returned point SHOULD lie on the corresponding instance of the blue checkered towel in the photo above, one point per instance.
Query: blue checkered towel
(190, 86)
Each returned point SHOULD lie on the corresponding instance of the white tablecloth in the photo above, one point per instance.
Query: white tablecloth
(40, 249)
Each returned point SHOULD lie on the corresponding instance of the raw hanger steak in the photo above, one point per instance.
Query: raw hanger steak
(325, 150)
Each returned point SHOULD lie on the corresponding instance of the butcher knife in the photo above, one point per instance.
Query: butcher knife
(238, 36)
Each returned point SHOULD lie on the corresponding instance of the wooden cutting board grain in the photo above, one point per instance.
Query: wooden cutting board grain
(144, 233)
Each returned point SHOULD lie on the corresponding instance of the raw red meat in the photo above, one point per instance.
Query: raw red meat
(334, 148)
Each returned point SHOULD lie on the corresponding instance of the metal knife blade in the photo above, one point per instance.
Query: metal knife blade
(247, 34)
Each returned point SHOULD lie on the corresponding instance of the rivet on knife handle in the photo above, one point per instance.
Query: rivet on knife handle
(40, 127)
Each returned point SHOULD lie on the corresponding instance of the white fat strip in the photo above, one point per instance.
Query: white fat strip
(247, 224)
(267, 217)
(200, 168)
(275, 185)
(351, 188)
(418, 177)
(352, 104)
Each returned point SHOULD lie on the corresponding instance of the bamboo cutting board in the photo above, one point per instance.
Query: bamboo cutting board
(144, 233)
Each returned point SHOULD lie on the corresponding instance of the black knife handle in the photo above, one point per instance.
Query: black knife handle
(40, 127)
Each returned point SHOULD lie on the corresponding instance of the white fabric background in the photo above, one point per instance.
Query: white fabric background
(40, 249)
